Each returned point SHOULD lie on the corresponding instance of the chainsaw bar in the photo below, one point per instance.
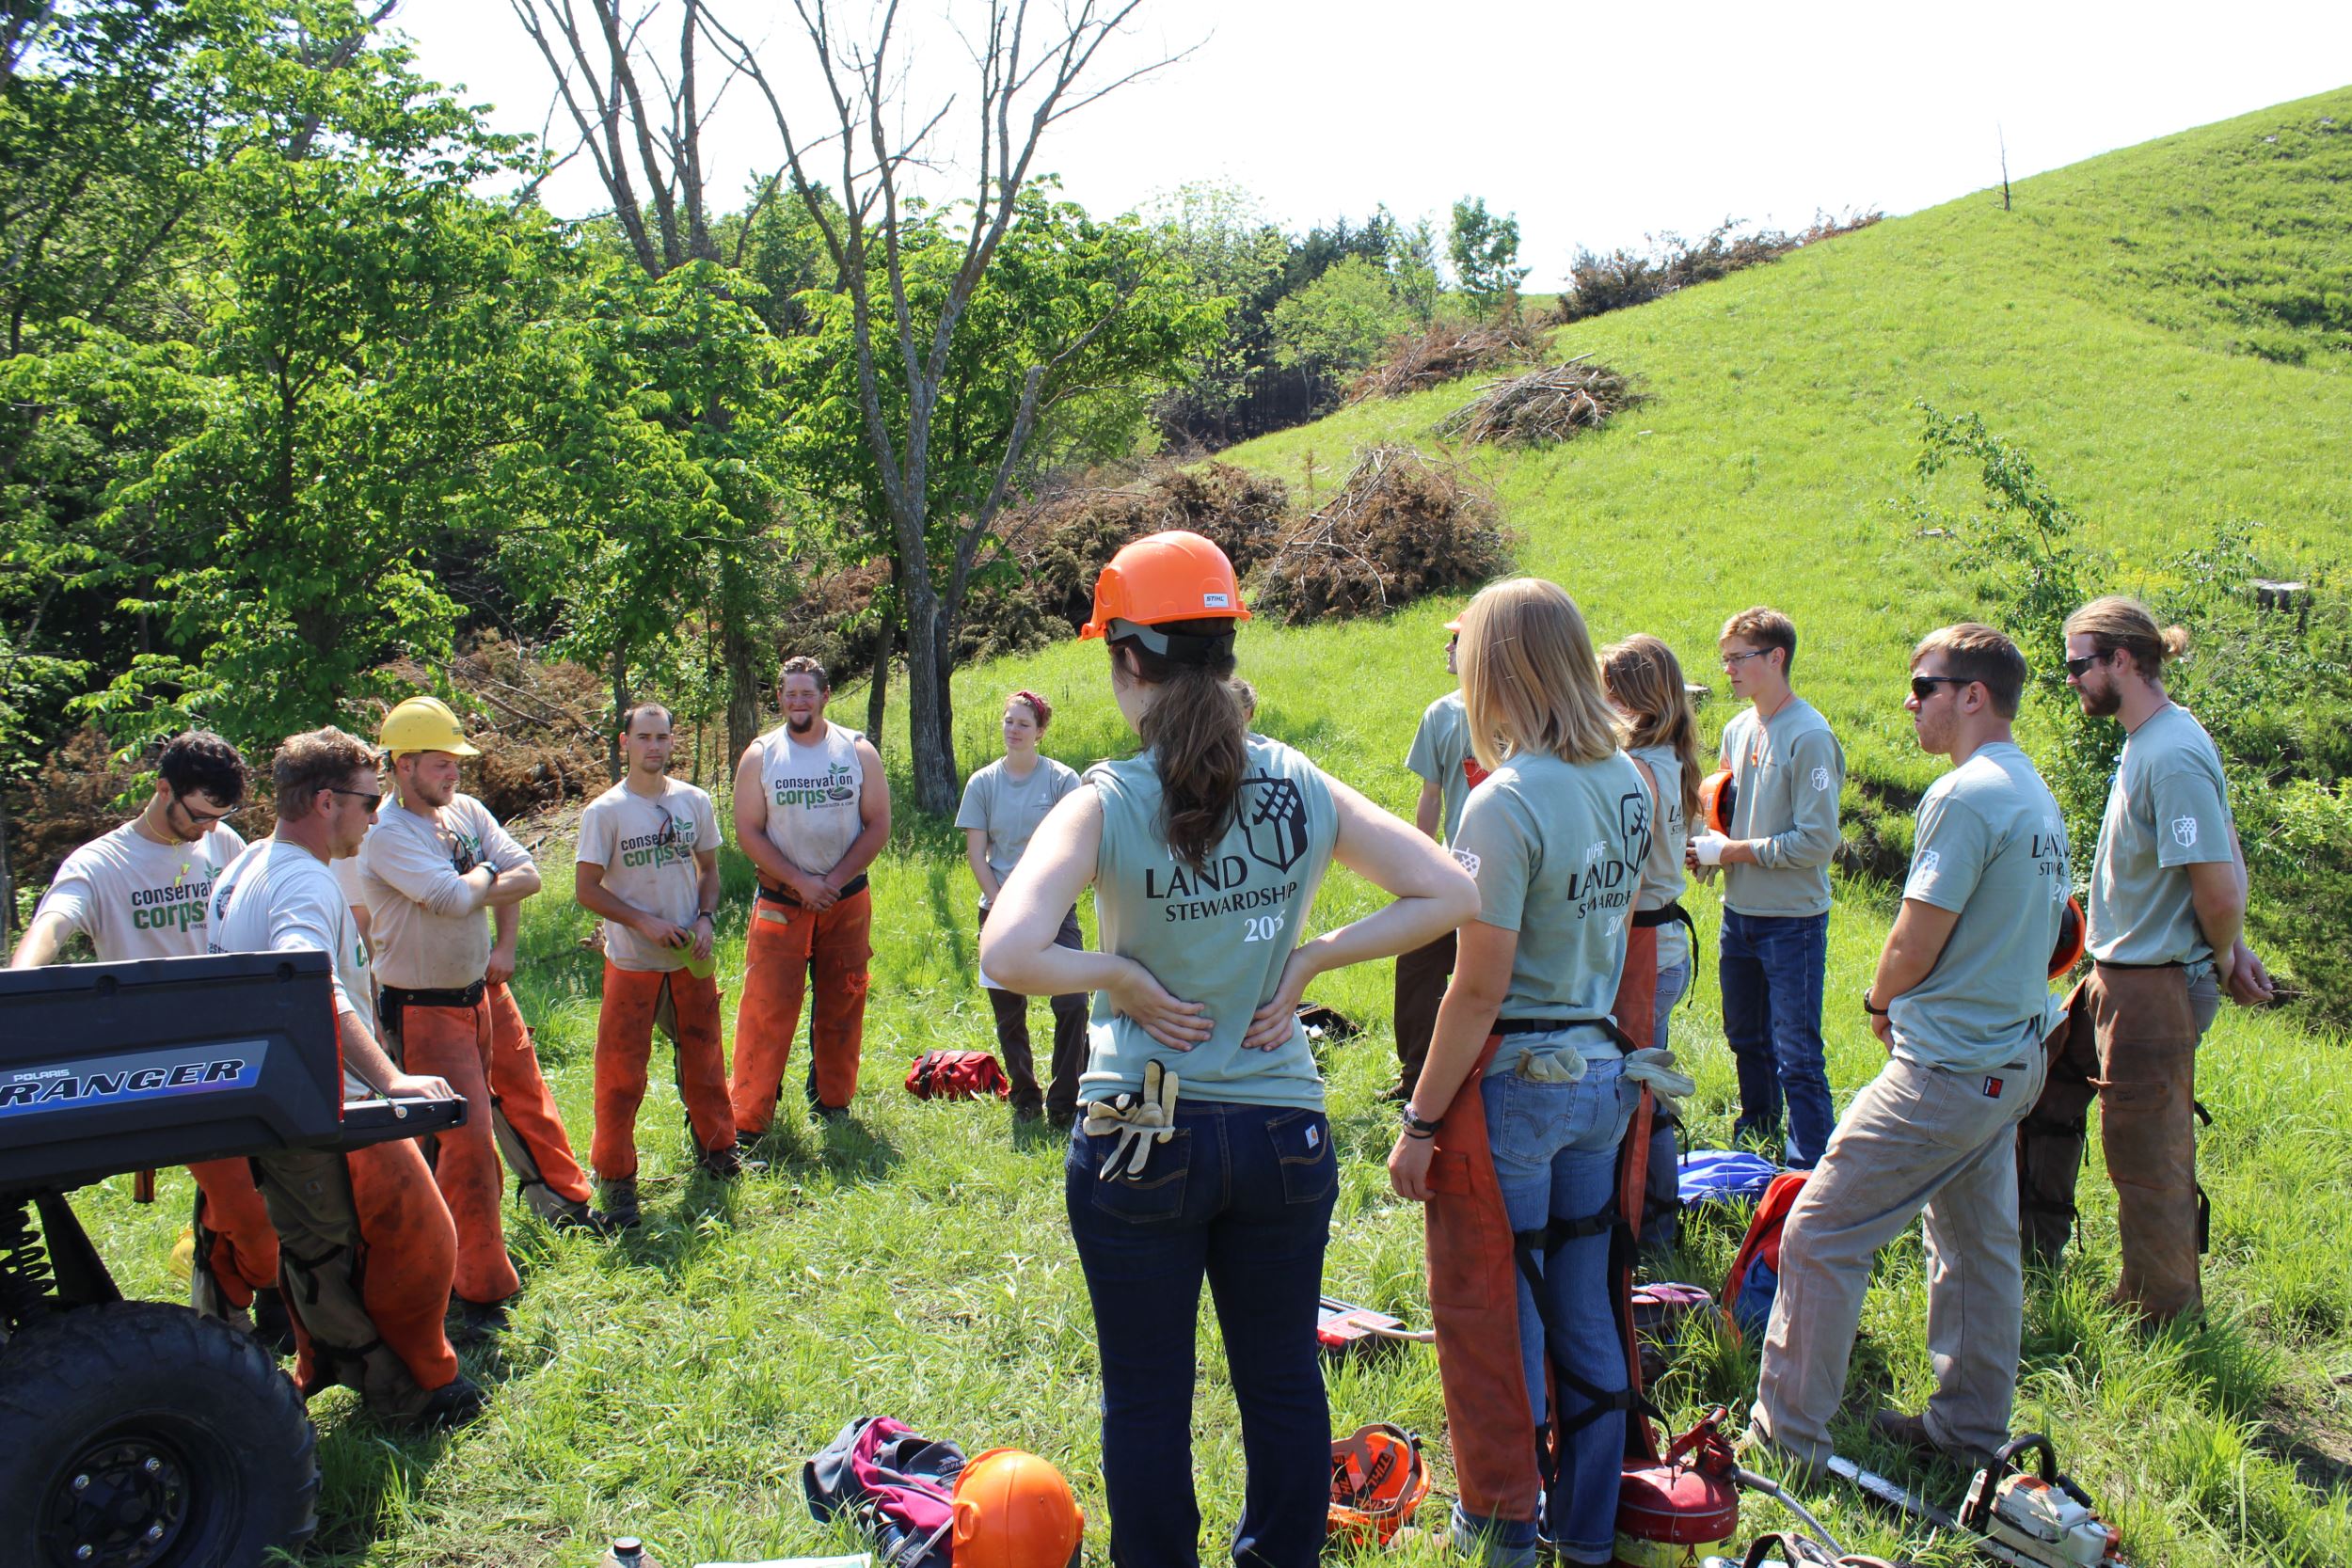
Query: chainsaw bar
(1903, 1500)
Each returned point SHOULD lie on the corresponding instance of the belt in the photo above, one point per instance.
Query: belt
(1552, 1025)
(397, 997)
(2111, 963)
(779, 895)
(1666, 915)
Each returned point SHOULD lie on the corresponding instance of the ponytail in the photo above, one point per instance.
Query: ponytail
(2121, 621)
(1195, 731)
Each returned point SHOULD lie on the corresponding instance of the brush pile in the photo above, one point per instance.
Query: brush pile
(541, 727)
(1399, 527)
(1550, 404)
(1446, 351)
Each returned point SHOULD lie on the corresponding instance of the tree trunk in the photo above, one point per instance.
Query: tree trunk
(620, 707)
(878, 693)
(743, 657)
(931, 717)
(8, 878)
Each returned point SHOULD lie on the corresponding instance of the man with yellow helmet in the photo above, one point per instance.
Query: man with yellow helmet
(433, 862)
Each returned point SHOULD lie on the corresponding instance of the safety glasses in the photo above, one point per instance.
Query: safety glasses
(200, 820)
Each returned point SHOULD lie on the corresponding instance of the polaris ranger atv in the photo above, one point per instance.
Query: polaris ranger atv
(134, 1434)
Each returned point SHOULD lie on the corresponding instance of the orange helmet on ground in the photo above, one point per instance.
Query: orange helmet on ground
(1014, 1510)
(1378, 1478)
(2074, 936)
(1718, 794)
(1171, 576)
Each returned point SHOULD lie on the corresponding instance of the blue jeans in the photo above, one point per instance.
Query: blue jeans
(1555, 1154)
(1672, 981)
(1242, 1194)
(1773, 973)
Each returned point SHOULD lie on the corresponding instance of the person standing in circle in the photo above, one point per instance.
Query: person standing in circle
(1644, 680)
(1511, 1136)
(1205, 851)
(1441, 759)
(811, 810)
(1003, 804)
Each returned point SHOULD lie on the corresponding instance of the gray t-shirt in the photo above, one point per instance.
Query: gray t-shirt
(427, 932)
(1441, 755)
(1557, 849)
(1220, 935)
(1991, 847)
(1009, 809)
(280, 897)
(646, 846)
(1789, 773)
(2168, 809)
(135, 898)
(1662, 876)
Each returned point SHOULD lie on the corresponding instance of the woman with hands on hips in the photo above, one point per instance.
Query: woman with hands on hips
(1204, 1151)
(1511, 1135)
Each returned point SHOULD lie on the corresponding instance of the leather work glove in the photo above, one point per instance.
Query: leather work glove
(1655, 1065)
(1708, 848)
(1139, 1122)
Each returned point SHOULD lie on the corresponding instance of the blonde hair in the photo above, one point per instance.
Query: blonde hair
(1646, 680)
(1529, 682)
(1975, 652)
(2120, 621)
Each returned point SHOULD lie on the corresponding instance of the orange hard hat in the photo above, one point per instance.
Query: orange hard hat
(1718, 794)
(2074, 935)
(1171, 576)
(1014, 1510)
(1379, 1480)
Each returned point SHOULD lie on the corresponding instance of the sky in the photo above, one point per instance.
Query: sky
(1596, 125)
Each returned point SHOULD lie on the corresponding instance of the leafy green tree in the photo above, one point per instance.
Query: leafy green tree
(1337, 325)
(1484, 250)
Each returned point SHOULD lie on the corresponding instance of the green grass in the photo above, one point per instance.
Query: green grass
(670, 1383)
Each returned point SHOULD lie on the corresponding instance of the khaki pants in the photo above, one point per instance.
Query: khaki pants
(1915, 1138)
(2132, 1044)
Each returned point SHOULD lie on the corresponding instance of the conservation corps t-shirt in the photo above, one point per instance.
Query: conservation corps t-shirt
(813, 796)
(1441, 755)
(428, 935)
(1009, 809)
(1991, 847)
(2168, 809)
(135, 898)
(280, 898)
(1218, 935)
(647, 846)
(1557, 849)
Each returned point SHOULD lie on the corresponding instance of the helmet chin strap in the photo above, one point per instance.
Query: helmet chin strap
(1183, 649)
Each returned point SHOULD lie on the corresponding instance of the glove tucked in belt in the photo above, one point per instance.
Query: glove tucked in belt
(1139, 1122)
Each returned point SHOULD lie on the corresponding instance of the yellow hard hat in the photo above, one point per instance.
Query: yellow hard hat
(423, 724)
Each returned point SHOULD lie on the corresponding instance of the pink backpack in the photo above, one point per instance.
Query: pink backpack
(898, 1486)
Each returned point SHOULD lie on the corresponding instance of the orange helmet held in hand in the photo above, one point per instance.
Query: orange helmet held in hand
(1014, 1510)
(1718, 794)
(2074, 936)
(1171, 576)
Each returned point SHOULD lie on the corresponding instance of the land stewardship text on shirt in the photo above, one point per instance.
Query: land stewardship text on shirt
(1789, 771)
(1991, 847)
(647, 846)
(135, 898)
(1441, 755)
(1218, 933)
(1557, 849)
(1009, 809)
(2168, 810)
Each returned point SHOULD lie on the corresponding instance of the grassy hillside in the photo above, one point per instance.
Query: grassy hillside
(917, 1264)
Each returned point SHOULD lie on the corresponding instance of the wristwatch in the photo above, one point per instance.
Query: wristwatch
(1868, 1007)
(711, 916)
(1412, 1119)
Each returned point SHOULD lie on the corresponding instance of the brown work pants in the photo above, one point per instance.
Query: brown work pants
(2131, 1043)
(1011, 1009)
(1420, 981)
(366, 1255)
(633, 998)
(236, 1251)
(485, 1053)
(788, 945)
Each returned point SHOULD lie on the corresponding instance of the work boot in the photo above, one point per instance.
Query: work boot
(1910, 1433)
(726, 1165)
(273, 1329)
(473, 1322)
(619, 1199)
(578, 1216)
(455, 1404)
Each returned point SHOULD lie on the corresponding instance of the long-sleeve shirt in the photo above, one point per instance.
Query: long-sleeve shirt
(1787, 773)
(422, 922)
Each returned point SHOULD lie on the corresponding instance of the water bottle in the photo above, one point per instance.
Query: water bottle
(626, 1551)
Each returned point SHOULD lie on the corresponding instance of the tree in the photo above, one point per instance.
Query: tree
(1337, 325)
(1484, 250)
(874, 226)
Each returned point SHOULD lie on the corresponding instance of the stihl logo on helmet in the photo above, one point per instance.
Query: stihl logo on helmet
(1169, 575)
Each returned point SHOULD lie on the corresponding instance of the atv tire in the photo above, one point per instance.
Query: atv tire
(134, 1434)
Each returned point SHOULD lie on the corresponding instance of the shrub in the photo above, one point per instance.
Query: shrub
(1550, 404)
(1598, 284)
(1446, 350)
(1399, 527)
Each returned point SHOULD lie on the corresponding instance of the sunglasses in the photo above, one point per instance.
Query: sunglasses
(2076, 667)
(1923, 687)
(372, 797)
(200, 818)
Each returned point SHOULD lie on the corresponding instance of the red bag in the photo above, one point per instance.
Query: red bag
(1755, 1277)
(955, 1075)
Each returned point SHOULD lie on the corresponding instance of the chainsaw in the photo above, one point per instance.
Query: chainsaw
(2038, 1519)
